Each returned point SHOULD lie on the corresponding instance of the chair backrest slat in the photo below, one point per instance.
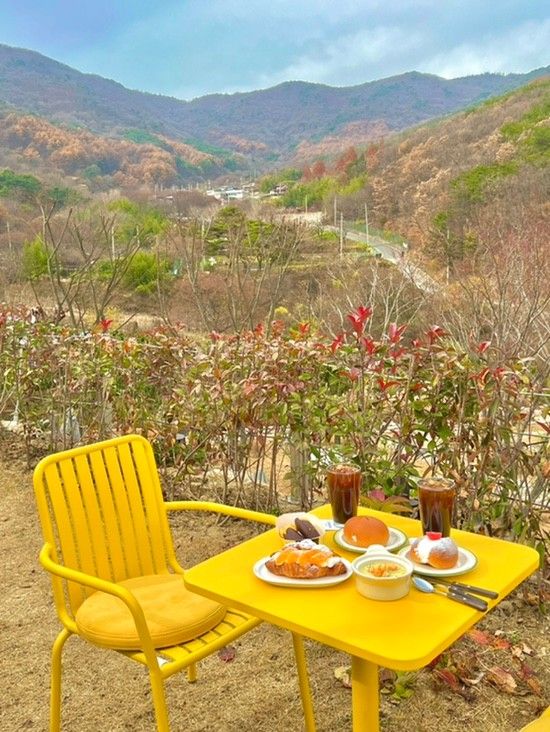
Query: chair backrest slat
(62, 529)
(129, 540)
(149, 516)
(81, 555)
(101, 507)
(110, 516)
(92, 508)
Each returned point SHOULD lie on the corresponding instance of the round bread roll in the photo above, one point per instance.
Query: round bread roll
(439, 552)
(365, 530)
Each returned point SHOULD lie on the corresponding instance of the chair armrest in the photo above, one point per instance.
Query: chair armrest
(112, 588)
(243, 513)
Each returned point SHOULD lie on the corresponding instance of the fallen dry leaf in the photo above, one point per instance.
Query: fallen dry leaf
(446, 677)
(502, 679)
(525, 671)
(227, 654)
(517, 652)
(467, 668)
(479, 637)
(386, 676)
(474, 681)
(535, 685)
(343, 675)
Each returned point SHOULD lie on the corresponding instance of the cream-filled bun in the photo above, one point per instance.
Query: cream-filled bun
(435, 550)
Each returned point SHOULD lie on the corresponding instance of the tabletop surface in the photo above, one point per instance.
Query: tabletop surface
(403, 634)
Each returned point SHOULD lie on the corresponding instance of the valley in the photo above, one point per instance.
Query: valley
(263, 283)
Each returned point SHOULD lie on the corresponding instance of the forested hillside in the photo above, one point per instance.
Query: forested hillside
(470, 194)
(33, 144)
(266, 124)
(435, 182)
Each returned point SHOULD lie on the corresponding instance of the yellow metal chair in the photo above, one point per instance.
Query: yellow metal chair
(116, 580)
(542, 724)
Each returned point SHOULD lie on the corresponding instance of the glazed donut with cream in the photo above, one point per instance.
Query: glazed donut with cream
(435, 550)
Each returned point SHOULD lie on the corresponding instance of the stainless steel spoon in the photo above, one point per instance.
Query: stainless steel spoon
(424, 586)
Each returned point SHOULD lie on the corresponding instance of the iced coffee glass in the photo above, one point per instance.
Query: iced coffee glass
(436, 498)
(344, 486)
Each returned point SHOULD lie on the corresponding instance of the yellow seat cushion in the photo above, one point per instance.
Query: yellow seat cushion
(173, 614)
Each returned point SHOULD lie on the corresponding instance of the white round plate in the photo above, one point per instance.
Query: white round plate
(331, 524)
(467, 560)
(263, 573)
(396, 540)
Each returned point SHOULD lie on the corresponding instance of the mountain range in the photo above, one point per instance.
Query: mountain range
(260, 127)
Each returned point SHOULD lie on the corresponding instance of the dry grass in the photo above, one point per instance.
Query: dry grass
(256, 692)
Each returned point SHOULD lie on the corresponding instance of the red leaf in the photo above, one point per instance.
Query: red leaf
(353, 373)
(433, 663)
(483, 346)
(525, 671)
(364, 312)
(395, 332)
(434, 333)
(501, 643)
(105, 324)
(397, 352)
(227, 654)
(337, 342)
(370, 346)
(277, 327)
(479, 637)
(444, 676)
(358, 318)
(386, 384)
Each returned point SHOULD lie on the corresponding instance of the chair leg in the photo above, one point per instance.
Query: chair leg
(55, 680)
(192, 673)
(159, 700)
(303, 680)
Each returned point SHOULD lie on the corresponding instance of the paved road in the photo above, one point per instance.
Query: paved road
(390, 252)
(396, 255)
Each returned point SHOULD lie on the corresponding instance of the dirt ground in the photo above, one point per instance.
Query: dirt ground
(257, 691)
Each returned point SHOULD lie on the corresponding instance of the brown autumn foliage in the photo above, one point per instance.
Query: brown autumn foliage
(413, 172)
(77, 152)
(354, 134)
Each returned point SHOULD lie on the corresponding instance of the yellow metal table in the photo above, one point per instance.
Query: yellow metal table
(402, 635)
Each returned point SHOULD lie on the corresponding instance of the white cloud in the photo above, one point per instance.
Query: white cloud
(515, 50)
(346, 60)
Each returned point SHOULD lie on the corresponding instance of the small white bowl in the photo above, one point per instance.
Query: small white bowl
(382, 588)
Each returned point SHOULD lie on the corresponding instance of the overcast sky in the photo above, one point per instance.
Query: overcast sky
(188, 48)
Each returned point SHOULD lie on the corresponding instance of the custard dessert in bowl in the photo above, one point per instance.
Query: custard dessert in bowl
(380, 575)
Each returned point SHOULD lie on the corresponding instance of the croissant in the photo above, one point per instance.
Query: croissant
(305, 560)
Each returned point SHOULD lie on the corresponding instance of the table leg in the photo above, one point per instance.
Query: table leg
(303, 680)
(364, 695)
